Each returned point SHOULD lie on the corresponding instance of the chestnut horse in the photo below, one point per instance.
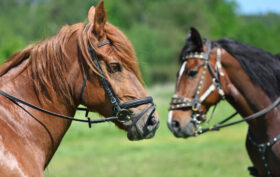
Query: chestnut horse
(247, 77)
(90, 64)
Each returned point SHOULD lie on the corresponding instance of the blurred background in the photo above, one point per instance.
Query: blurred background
(157, 29)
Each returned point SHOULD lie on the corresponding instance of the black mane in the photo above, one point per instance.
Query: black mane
(262, 67)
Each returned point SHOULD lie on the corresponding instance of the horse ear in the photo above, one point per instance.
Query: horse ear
(99, 20)
(195, 40)
(91, 14)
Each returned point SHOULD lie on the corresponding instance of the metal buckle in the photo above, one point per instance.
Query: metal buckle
(262, 148)
(195, 105)
(196, 123)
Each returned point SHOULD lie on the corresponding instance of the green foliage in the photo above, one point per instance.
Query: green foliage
(265, 34)
(9, 42)
(125, 13)
(153, 61)
(157, 28)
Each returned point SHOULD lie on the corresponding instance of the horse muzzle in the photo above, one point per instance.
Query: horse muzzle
(182, 131)
(141, 124)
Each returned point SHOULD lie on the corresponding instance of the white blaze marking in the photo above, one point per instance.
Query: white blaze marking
(170, 117)
(182, 71)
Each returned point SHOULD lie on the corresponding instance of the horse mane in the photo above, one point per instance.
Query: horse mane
(48, 65)
(278, 55)
(262, 67)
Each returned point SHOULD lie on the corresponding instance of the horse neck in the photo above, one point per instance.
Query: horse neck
(248, 98)
(18, 83)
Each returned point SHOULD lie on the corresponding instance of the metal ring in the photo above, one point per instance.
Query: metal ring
(123, 115)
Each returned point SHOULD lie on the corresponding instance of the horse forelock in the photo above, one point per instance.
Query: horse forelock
(123, 48)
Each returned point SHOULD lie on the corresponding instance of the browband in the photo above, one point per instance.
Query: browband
(199, 55)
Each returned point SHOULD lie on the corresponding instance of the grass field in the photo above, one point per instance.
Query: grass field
(104, 150)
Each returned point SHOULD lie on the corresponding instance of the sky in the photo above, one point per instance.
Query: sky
(258, 6)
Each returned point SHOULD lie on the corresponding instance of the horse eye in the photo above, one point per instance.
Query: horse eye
(192, 73)
(115, 67)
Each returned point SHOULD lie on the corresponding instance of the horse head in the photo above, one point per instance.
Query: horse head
(113, 63)
(198, 86)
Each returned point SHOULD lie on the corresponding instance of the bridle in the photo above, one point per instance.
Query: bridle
(180, 102)
(121, 112)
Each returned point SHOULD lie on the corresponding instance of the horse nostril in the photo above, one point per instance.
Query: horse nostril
(152, 120)
(175, 125)
(152, 123)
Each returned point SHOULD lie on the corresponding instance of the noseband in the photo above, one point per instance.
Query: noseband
(180, 102)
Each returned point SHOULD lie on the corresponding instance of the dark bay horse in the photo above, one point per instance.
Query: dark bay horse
(90, 64)
(247, 77)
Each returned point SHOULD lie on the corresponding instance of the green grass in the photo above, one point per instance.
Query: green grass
(104, 150)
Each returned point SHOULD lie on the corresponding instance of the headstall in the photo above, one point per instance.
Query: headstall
(180, 102)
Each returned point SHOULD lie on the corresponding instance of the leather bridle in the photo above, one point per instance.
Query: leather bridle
(180, 102)
(183, 103)
(120, 110)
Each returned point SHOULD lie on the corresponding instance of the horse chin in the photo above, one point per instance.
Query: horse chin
(183, 135)
(189, 130)
(134, 134)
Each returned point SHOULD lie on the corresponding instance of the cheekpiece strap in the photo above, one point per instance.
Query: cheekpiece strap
(107, 86)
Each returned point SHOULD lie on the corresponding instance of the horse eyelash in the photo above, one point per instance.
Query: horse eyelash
(192, 73)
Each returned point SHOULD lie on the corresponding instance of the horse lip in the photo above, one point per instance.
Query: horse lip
(184, 134)
(137, 133)
(189, 133)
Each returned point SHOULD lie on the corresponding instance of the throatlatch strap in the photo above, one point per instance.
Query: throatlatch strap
(84, 85)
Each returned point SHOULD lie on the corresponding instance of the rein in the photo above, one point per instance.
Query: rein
(258, 114)
(89, 121)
